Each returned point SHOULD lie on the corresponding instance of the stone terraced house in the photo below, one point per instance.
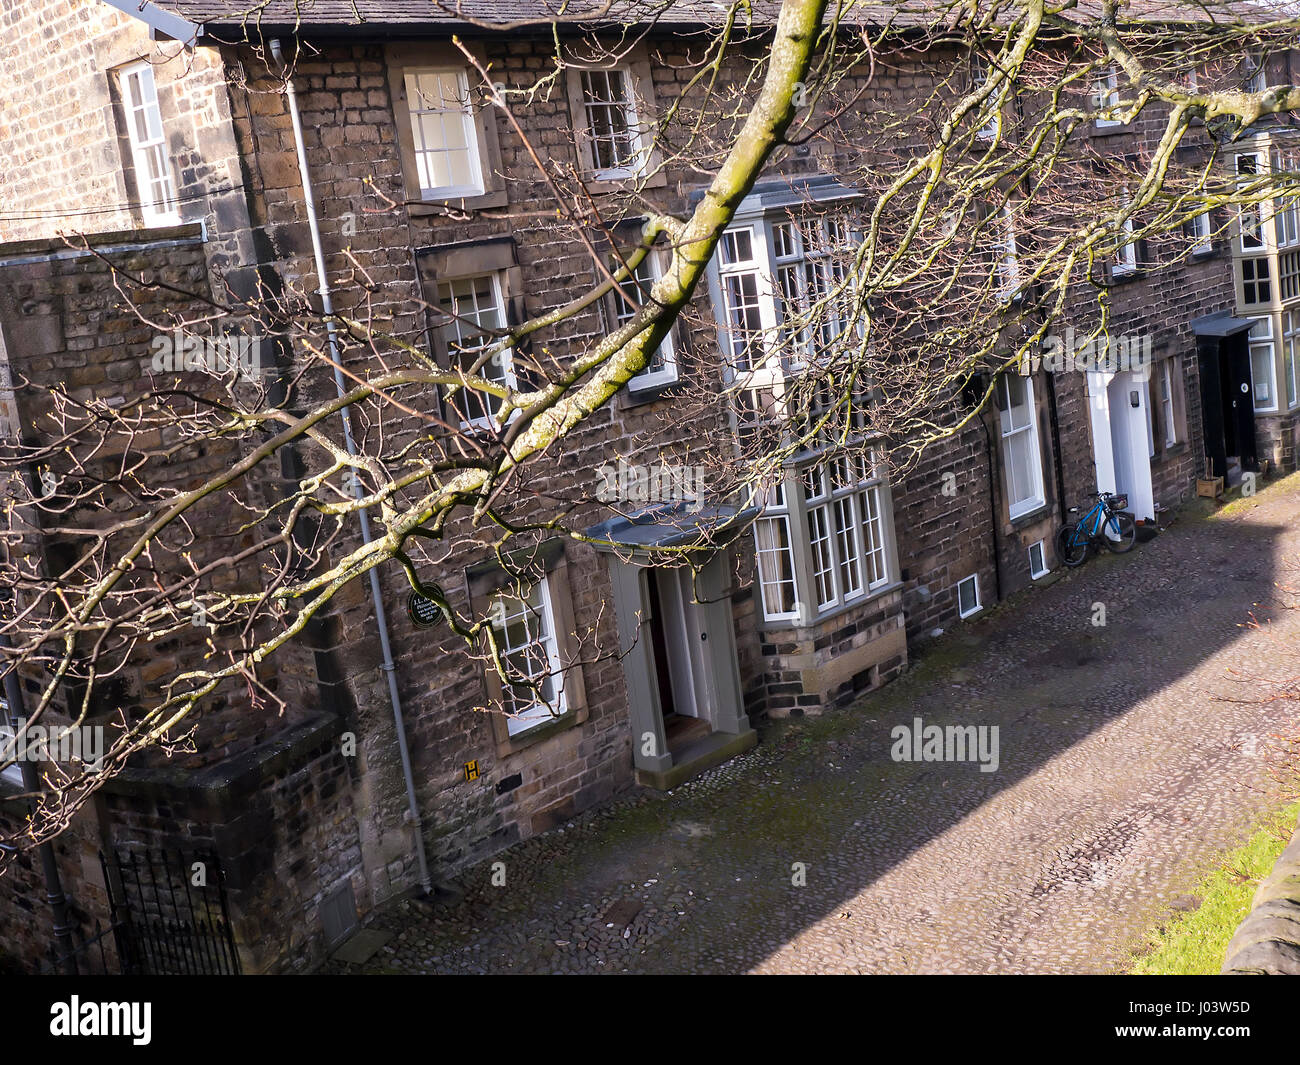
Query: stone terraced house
(184, 160)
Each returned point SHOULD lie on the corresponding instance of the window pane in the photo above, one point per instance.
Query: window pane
(1261, 370)
(775, 565)
(446, 152)
(967, 595)
(528, 647)
(847, 545)
(609, 118)
(819, 541)
(738, 246)
(874, 534)
(1013, 402)
(740, 293)
(475, 306)
(1019, 473)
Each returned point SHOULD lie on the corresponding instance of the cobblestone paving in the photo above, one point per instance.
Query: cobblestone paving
(1123, 771)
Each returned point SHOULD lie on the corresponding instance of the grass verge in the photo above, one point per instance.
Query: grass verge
(1194, 943)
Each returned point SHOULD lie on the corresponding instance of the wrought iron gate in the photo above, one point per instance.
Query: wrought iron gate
(168, 917)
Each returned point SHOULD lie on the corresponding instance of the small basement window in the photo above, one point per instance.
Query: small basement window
(968, 596)
(1037, 561)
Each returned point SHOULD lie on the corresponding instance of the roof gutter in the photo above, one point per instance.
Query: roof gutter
(161, 22)
(381, 620)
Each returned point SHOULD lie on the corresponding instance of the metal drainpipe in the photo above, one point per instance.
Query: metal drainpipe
(381, 619)
(993, 507)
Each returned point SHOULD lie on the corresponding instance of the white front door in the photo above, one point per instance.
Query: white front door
(1118, 404)
(682, 637)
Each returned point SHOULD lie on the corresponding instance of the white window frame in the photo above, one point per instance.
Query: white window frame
(1291, 355)
(749, 346)
(12, 773)
(1260, 241)
(1037, 500)
(980, 78)
(974, 581)
(1263, 342)
(778, 253)
(1043, 569)
(1257, 79)
(1167, 402)
(149, 153)
(639, 148)
(847, 530)
(539, 712)
(1126, 255)
(1286, 212)
(1105, 97)
(778, 571)
(649, 270)
(485, 421)
(1009, 261)
(464, 115)
(1199, 225)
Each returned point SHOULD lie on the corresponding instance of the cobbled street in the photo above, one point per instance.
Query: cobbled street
(1128, 759)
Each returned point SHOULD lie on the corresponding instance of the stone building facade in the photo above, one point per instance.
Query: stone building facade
(932, 550)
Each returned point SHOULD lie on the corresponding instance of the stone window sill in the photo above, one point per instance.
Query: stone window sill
(438, 208)
(521, 741)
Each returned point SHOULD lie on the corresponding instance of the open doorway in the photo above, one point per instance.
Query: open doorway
(686, 711)
(676, 639)
(1129, 401)
(1119, 405)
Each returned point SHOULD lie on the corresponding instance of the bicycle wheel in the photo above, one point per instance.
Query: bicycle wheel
(1123, 526)
(1071, 547)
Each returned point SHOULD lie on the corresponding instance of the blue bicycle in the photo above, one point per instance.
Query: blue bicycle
(1106, 523)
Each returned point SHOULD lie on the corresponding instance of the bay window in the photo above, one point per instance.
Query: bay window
(1249, 228)
(1291, 353)
(839, 506)
(786, 294)
(786, 306)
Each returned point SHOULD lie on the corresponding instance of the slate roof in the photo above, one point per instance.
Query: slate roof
(414, 16)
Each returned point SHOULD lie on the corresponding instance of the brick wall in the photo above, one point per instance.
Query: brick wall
(271, 792)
